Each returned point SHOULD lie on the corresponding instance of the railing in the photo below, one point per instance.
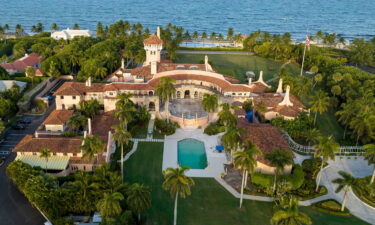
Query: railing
(344, 150)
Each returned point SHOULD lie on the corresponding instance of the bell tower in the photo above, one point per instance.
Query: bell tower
(153, 46)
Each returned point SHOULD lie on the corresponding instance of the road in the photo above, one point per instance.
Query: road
(15, 209)
(214, 52)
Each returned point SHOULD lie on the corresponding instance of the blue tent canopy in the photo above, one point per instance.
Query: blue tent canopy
(219, 148)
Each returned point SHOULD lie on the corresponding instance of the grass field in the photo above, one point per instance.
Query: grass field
(209, 204)
(237, 65)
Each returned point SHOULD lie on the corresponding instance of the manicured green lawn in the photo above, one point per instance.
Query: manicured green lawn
(238, 65)
(209, 204)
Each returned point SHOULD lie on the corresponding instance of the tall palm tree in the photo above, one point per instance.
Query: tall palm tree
(245, 161)
(77, 121)
(109, 206)
(138, 198)
(178, 184)
(326, 148)
(346, 114)
(92, 146)
(54, 27)
(30, 72)
(121, 137)
(290, 215)
(362, 123)
(370, 157)
(45, 153)
(279, 159)
(346, 182)
(232, 140)
(226, 117)
(210, 103)
(165, 90)
(311, 135)
(319, 103)
(84, 188)
(125, 109)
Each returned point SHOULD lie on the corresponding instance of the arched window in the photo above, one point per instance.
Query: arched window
(196, 95)
(151, 106)
(178, 94)
(150, 93)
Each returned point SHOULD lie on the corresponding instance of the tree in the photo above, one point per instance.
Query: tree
(326, 148)
(53, 70)
(178, 184)
(195, 35)
(290, 215)
(2, 127)
(279, 159)
(124, 109)
(165, 90)
(121, 137)
(336, 90)
(363, 123)
(75, 27)
(19, 30)
(210, 102)
(39, 27)
(30, 72)
(311, 135)
(204, 35)
(99, 30)
(54, 27)
(84, 189)
(213, 36)
(109, 206)
(346, 182)
(45, 153)
(245, 161)
(370, 157)
(92, 146)
(230, 33)
(319, 103)
(232, 140)
(319, 34)
(226, 117)
(361, 52)
(138, 198)
(89, 108)
(77, 121)
(247, 105)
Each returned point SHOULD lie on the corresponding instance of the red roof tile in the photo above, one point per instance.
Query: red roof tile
(21, 64)
(55, 144)
(153, 40)
(58, 117)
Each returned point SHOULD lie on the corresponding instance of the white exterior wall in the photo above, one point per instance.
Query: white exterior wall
(55, 127)
(67, 101)
(153, 53)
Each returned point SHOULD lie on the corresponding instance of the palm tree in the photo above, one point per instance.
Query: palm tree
(19, 30)
(279, 159)
(75, 27)
(245, 161)
(45, 153)
(77, 121)
(92, 146)
(232, 140)
(311, 135)
(84, 188)
(370, 157)
(54, 27)
(290, 215)
(226, 117)
(139, 198)
(165, 90)
(362, 123)
(177, 183)
(326, 148)
(210, 103)
(319, 103)
(124, 113)
(121, 137)
(346, 182)
(109, 206)
(346, 114)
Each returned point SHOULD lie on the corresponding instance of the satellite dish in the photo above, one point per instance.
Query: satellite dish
(250, 74)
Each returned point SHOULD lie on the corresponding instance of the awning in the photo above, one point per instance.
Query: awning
(54, 162)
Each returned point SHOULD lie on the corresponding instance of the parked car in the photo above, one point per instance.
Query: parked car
(18, 126)
(24, 120)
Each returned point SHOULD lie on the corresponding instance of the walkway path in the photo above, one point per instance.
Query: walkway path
(150, 128)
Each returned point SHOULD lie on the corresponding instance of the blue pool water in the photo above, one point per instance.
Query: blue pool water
(346, 17)
(191, 153)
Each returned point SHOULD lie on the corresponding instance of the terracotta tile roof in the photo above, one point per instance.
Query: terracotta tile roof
(103, 123)
(58, 117)
(258, 87)
(153, 40)
(237, 103)
(264, 136)
(22, 63)
(56, 144)
(231, 79)
(78, 88)
(127, 86)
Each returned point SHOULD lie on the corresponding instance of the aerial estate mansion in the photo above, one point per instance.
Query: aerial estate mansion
(192, 81)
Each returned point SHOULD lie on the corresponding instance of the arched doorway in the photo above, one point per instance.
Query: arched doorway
(178, 94)
(151, 106)
(150, 93)
(187, 94)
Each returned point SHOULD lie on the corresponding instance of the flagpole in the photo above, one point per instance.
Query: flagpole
(303, 59)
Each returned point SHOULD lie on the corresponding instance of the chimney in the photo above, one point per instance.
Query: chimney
(158, 32)
(109, 147)
(286, 101)
(84, 136)
(122, 63)
(260, 80)
(36, 134)
(206, 62)
(89, 126)
(280, 87)
(88, 82)
(250, 81)
(154, 67)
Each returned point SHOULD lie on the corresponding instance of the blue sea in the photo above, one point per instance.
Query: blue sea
(350, 18)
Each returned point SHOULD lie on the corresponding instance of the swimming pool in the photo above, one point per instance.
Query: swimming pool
(191, 153)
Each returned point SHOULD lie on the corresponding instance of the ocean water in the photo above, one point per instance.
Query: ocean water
(350, 18)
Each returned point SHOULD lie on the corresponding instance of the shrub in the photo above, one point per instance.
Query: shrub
(311, 167)
(296, 178)
(40, 104)
(331, 207)
(264, 180)
(214, 128)
(247, 105)
(165, 127)
(365, 191)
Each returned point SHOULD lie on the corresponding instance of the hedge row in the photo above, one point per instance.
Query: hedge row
(331, 207)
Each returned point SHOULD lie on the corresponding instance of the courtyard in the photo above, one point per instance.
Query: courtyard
(209, 204)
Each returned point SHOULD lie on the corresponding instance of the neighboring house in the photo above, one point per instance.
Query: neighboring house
(7, 84)
(57, 120)
(20, 65)
(69, 34)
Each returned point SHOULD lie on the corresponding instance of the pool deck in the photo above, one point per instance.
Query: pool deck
(215, 160)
